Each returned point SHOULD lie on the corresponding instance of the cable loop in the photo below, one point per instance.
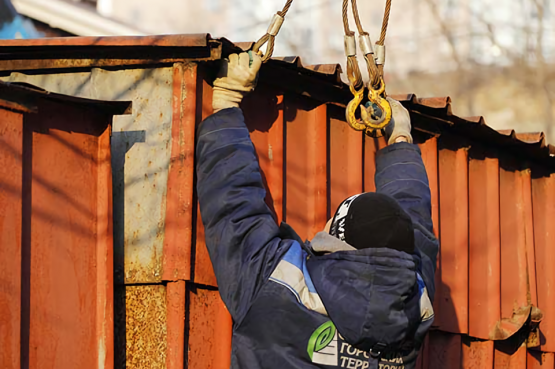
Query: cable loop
(270, 36)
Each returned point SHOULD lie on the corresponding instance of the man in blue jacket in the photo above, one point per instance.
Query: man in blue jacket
(359, 294)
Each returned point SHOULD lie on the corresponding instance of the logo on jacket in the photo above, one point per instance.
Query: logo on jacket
(322, 345)
(327, 347)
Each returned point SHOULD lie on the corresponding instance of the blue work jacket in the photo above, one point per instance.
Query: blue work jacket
(318, 304)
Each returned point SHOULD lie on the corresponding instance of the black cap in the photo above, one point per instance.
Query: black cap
(373, 220)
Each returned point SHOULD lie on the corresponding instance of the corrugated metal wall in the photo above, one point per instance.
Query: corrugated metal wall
(56, 280)
(491, 211)
(493, 203)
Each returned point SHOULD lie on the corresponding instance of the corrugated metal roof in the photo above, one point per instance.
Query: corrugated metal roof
(321, 82)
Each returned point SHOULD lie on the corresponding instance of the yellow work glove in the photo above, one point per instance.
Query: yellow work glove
(399, 126)
(237, 77)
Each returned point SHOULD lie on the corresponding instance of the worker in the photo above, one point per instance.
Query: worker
(359, 294)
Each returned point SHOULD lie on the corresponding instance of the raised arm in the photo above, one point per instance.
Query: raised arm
(400, 173)
(241, 234)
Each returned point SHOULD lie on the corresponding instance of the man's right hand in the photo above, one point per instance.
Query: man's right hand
(237, 77)
(398, 130)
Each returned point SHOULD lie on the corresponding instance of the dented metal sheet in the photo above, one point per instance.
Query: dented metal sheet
(141, 148)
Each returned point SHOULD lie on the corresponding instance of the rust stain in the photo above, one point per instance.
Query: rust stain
(146, 326)
(209, 344)
(178, 227)
(477, 354)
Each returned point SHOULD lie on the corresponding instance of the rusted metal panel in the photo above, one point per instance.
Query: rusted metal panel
(543, 192)
(484, 248)
(510, 359)
(11, 151)
(430, 159)
(345, 159)
(66, 239)
(529, 237)
(175, 302)
(146, 326)
(209, 336)
(25, 97)
(179, 209)
(306, 163)
(453, 190)
(88, 52)
(477, 354)
(371, 147)
(540, 360)
(105, 255)
(516, 243)
(264, 114)
(204, 273)
(445, 350)
(141, 148)
(187, 40)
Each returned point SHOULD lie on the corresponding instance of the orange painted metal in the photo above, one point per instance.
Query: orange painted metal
(445, 350)
(104, 252)
(176, 296)
(540, 360)
(516, 241)
(529, 229)
(511, 360)
(345, 159)
(179, 197)
(209, 334)
(204, 273)
(11, 151)
(310, 162)
(306, 163)
(264, 117)
(67, 236)
(543, 192)
(189, 40)
(484, 247)
(453, 291)
(430, 159)
(477, 354)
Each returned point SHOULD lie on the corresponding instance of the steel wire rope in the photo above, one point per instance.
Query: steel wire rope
(353, 69)
(270, 36)
(375, 71)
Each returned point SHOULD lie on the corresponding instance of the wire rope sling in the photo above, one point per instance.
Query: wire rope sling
(375, 114)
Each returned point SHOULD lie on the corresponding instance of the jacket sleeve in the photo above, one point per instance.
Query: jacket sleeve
(241, 234)
(400, 173)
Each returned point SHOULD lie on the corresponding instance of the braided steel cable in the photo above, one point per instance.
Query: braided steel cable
(375, 71)
(271, 38)
(385, 22)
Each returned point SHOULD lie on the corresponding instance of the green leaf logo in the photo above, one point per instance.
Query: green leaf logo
(321, 338)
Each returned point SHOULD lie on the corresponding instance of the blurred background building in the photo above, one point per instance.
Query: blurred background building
(493, 57)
